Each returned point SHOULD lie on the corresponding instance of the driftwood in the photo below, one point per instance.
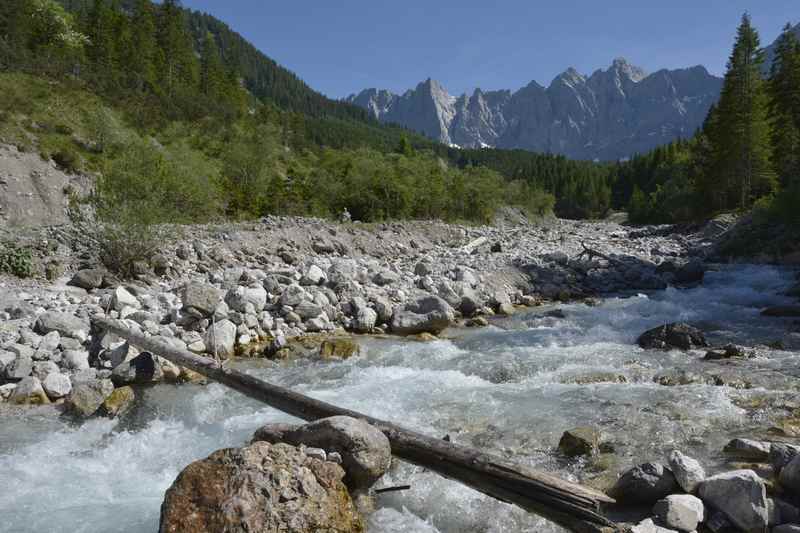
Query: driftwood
(592, 253)
(572, 506)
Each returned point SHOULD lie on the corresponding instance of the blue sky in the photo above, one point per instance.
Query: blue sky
(343, 46)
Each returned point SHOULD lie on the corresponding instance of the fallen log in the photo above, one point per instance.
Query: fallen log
(572, 506)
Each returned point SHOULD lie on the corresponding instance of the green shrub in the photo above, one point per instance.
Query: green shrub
(16, 260)
(67, 159)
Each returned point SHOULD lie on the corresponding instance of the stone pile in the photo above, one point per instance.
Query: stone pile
(683, 498)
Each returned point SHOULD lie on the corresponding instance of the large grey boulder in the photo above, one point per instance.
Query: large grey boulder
(200, 299)
(220, 339)
(365, 450)
(687, 471)
(239, 297)
(88, 395)
(644, 484)
(75, 360)
(263, 487)
(429, 314)
(678, 335)
(740, 495)
(680, 511)
(66, 324)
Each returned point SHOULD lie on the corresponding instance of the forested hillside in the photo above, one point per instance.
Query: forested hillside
(184, 78)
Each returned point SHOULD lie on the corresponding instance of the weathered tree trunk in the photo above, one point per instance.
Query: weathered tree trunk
(574, 507)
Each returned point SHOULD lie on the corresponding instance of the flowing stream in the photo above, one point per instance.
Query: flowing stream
(512, 389)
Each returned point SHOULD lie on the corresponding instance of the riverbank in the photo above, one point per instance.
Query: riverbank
(244, 289)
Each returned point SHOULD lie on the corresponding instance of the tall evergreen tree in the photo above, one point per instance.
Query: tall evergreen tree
(212, 72)
(144, 55)
(739, 133)
(784, 108)
(180, 65)
(101, 32)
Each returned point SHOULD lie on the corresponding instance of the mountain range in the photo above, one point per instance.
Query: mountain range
(611, 114)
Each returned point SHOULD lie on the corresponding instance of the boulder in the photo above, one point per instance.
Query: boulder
(781, 454)
(644, 485)
(75, 360)
(579, 441)
(122, 299)
(383, 307)
(364, 317)
(263, 487)
(273, 433)
(66, 324)
(748, 450)
(88, 279)
(691, 272)
(142, 369)
(238, 298)
(682, 512)
(429, 314)
(118, 402)
(220, 339)
(314, 276)
(677, 335)
(57, 386)
(740, 495)
(200, 299)
(294, 295)
(687, 471)
(88, 395)
(790, 475)
(20, 368)
(29, 391)
(366, 454)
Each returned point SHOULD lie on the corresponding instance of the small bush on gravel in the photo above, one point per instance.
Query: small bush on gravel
(16, 260)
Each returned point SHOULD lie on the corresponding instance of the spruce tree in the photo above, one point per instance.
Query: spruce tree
(101, 51)
(144, 55)
(212, 73)
(784, 108)
(180, 65)
(739, 170)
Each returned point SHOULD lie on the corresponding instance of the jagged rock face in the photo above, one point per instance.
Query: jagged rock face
(611, 114)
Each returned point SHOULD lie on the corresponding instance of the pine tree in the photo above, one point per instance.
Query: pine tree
(739, 135)
(144, 55)
(784, 108)
(180, 64)
(212, 72)
(101, 34)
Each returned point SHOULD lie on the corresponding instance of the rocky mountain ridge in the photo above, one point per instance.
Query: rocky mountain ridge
(608, 115)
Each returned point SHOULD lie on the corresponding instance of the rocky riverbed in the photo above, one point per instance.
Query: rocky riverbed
(247, 288)
(559, 353)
